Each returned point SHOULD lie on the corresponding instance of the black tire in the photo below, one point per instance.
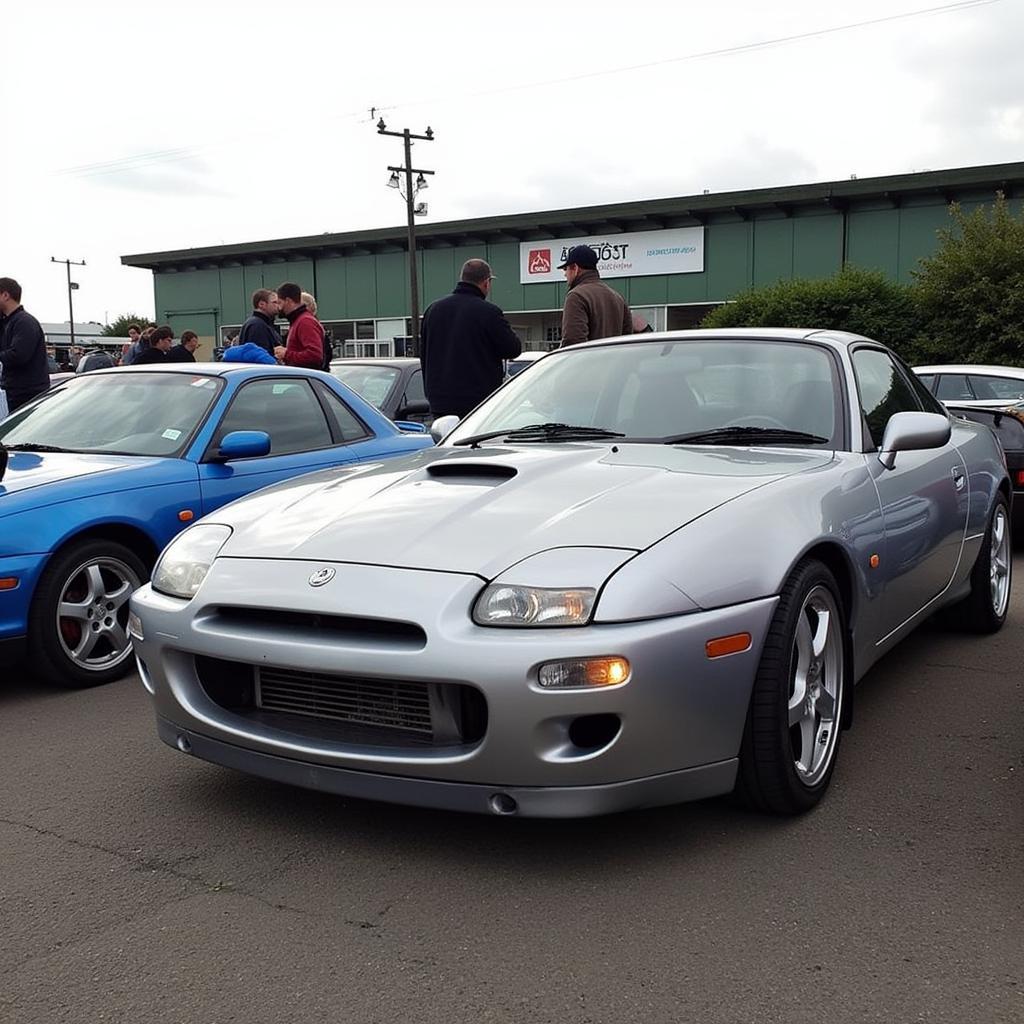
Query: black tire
(980, 612)
(53, 640)
(771, 775)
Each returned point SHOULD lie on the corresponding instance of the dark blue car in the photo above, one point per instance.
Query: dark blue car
(106, 468)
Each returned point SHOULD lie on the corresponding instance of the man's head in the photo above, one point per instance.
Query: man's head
(265, 301)
(134, 333)
(10, 295)
(477, 272)
(147, 334)
(578, 259)
(189, 341)
(309, 302)
(161, 338)
(289, 295)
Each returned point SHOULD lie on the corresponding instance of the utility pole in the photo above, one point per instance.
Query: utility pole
(410, 194)
(71, 287)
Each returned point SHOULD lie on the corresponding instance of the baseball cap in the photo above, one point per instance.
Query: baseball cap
(582, 255)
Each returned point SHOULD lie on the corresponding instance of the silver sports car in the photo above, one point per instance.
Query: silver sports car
(645, 570)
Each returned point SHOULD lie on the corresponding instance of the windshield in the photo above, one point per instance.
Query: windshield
(660, 390)
(373, 383)
(127, 413)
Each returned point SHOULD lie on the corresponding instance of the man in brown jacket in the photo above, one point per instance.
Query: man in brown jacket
(592, 309)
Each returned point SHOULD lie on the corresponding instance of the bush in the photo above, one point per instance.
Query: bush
(972, 290)
(119, 327)
(861, 301)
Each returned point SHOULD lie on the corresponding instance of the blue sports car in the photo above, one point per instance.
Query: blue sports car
(105, 469)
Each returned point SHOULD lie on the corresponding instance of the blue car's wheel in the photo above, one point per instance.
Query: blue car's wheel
(78, 627)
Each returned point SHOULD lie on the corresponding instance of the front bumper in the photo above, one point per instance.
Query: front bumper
(681, 714)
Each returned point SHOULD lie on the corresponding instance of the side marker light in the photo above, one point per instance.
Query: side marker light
(723, 646)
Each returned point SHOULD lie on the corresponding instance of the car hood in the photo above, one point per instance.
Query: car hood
(460, 510)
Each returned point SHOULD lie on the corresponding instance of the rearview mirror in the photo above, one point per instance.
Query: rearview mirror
(244, 444)
(443, 426)
(912, 432)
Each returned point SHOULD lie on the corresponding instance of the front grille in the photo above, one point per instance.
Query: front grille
(321, 706)
(385, 704)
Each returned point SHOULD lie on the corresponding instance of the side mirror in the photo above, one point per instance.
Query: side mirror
(244, 444)
(442, 427)
(410, 426)
(419, 408)
(913, 432)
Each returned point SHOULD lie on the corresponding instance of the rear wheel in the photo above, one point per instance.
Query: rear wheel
(78, 626)
(984, 609)
(792, 732)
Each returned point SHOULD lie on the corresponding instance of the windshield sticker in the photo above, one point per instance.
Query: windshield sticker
(203, 382)
(171, 435)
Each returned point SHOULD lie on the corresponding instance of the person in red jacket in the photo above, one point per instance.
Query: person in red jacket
(305, 345)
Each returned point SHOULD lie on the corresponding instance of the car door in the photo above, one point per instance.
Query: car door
(412, 403)
(924, 498)
(304, 437)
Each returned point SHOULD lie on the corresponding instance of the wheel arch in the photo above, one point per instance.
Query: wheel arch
(132, 537)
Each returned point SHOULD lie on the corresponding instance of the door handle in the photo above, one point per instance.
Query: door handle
(958, 478)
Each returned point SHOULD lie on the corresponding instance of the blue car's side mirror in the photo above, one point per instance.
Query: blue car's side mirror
(244, 444)
(410, 427)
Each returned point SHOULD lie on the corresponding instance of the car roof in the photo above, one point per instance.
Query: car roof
(996, 371)
(529, 356)
(397, 361)
(207, 369)
(840, 339)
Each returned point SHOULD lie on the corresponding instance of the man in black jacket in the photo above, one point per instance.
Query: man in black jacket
(463, 341)
(22, 348)
(259, 328)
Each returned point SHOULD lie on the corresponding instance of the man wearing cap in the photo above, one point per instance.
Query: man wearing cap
(463, 342)
(592, 309)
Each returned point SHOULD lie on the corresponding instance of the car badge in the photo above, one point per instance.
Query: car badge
(322, 576)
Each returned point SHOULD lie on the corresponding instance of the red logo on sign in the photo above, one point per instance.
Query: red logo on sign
(540, 261)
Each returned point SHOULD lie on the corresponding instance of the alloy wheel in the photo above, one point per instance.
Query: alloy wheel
(999, 562)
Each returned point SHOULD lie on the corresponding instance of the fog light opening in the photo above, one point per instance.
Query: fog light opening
(592, 732)
(183, 744)
(502, 803)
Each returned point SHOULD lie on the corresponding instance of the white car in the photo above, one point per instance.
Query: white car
(991, 387)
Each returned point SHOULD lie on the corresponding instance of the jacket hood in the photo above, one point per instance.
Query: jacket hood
(481, 511)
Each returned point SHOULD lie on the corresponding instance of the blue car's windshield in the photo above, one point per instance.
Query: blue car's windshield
(130, 413)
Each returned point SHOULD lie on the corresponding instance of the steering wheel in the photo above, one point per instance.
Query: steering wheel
(758, 421)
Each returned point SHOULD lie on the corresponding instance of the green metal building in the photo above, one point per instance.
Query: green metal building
(712, 247)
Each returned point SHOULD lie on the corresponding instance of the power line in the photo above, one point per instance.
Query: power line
(140, 160)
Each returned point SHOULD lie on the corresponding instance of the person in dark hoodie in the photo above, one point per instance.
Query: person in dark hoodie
(463, 342)
(259, 328)
(156, 351)
(24, 372)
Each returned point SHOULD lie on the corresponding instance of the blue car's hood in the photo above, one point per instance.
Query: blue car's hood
(28, 471)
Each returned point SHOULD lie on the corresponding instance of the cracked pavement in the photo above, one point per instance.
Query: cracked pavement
(140, 885)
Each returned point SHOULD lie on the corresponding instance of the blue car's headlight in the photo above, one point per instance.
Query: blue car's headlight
(187, 559)
(504, 605)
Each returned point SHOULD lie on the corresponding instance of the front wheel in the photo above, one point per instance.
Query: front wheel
(78, 626)
(791, 737)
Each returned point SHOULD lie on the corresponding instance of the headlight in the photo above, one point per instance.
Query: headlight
(186, 561)
(504, 605)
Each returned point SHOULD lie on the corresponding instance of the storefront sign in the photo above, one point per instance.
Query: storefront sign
(635, 254)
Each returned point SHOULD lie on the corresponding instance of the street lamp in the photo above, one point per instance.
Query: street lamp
(72, 287)
(409, 195)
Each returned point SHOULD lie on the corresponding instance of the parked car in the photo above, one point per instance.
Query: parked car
(1008, 426)
(612, 585)
(521, 362)
(984, 386)
(107, 467)
(395, 386)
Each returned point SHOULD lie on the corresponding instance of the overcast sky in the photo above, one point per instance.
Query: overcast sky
(134, 127)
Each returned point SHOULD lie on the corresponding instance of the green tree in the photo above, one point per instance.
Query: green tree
(119, 328)
(862, 301)
(972, 290)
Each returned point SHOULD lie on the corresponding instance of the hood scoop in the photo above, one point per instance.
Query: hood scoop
(479, 472)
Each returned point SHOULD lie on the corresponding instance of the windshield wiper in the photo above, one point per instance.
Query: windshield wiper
(740, 435)
(542, 432)
(30, 446)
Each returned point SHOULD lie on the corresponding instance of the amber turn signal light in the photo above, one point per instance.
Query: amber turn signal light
(725, 645)
(8, 583)
(186, 515)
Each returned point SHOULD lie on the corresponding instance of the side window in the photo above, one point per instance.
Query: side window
(286, 409)
(883, 390)
(922, 388)
(953, 387)
(997, 388)
(347, 426)
(414, 392)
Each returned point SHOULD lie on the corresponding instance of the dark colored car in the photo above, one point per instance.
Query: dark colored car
(395, 386)
(1008, 426)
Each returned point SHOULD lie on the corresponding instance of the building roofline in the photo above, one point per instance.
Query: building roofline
(614, 217)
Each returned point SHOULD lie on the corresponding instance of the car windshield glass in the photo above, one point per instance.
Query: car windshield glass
(652, 391)
(124, 412)
(370, 382)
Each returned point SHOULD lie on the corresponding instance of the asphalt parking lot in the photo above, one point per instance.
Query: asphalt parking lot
(139, 885)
